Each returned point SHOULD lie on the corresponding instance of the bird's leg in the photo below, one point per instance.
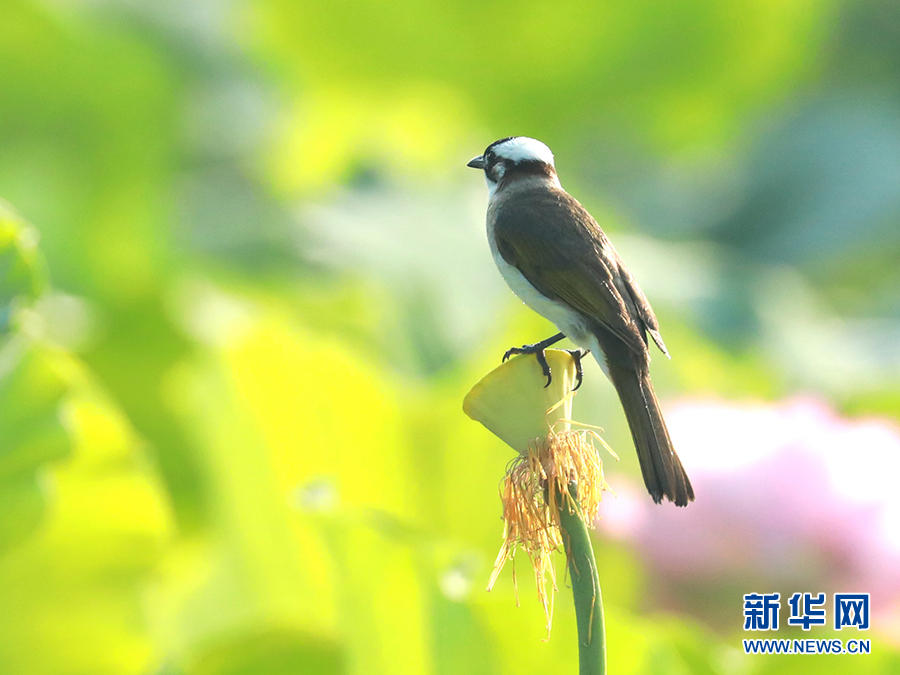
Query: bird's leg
(578, 354)
(538, 350)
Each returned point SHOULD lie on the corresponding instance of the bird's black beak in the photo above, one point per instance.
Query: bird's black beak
(476, 162)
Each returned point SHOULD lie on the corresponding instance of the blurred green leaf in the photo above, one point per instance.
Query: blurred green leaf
(78, 585)
(31, 431)
(33, 381)
(269, 652)
(22, 505)
(22, 275)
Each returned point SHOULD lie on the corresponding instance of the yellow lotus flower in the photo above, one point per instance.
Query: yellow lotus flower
(556, 467)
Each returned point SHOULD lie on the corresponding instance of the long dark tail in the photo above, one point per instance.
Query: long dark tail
(663, 474)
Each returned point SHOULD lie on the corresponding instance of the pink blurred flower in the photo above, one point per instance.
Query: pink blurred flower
(789, 496)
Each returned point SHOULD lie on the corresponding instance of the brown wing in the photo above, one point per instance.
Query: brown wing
(556, 244)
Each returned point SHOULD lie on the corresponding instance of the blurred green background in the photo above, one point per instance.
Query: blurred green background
(244, 287)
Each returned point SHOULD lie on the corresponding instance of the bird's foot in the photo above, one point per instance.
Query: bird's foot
(577, 355)
(538, 350)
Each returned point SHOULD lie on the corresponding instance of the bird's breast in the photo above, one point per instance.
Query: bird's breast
(568, 320)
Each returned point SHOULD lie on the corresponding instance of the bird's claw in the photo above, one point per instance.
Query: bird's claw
(538, 350)
(577, 355)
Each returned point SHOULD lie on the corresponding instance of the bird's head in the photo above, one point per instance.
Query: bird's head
(514, 158)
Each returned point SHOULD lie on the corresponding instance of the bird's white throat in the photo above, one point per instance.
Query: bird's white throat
(520, 183)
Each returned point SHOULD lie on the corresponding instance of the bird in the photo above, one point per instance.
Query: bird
(555, 257)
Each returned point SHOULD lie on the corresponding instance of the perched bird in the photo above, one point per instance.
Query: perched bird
(555, 257)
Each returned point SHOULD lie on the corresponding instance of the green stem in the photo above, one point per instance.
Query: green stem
(585, 586)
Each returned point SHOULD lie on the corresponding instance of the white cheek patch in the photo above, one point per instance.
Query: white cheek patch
(497, 170)
(522, 148)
